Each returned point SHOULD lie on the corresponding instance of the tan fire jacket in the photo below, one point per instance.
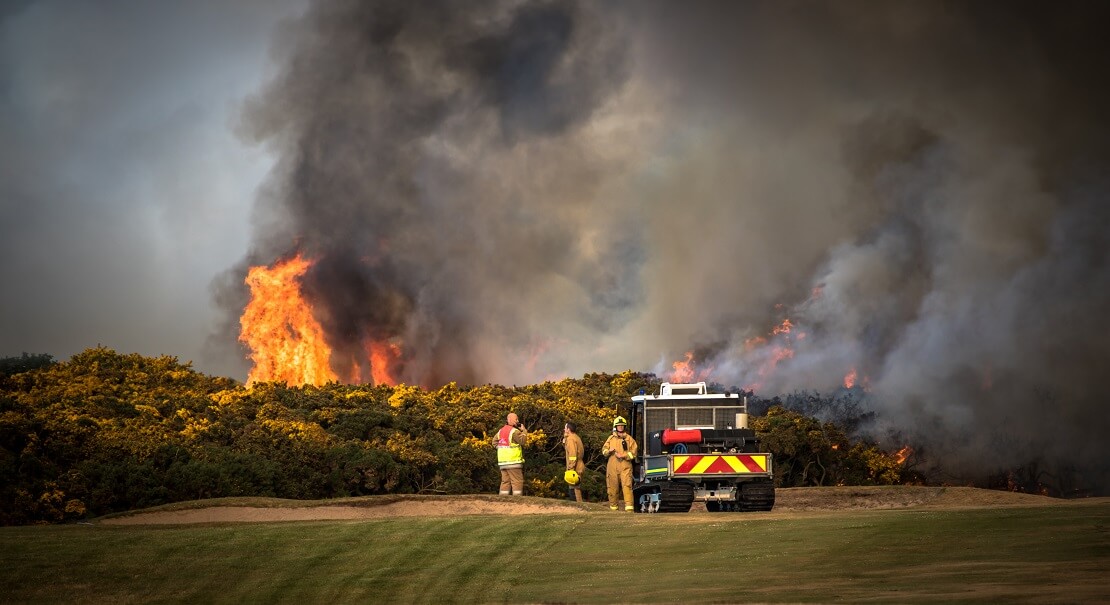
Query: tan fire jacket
(576, 453)
(620, 443)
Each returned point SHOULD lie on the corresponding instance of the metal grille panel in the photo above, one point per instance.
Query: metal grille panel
(694, 418)
(659, 419)
(676, 417)
(726, 418)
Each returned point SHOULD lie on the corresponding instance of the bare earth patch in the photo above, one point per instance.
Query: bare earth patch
(788, 501)
(365, 509)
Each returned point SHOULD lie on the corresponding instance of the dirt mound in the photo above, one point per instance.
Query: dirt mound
(790, 500)
(364, 508)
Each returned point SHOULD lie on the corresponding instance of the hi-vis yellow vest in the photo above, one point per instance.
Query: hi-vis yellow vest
(508, 453)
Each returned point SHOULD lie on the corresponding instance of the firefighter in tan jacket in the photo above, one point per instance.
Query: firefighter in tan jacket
(576, 453)
(621, 449)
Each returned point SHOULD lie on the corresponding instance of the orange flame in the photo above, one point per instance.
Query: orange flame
(684, 371)
(901, 455)
(783, 328)
(753, 342)
(850, 379)
(777, 354)
(783, 336)
(287, 343)
(383, 358)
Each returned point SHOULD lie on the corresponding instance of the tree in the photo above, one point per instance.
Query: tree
(24, 363)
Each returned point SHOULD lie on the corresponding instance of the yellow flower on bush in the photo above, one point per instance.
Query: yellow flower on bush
(297, 430)
(536, 438)
(479, 443)
(410, 450)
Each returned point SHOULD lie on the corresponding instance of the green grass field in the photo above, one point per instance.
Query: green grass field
(1033, 555)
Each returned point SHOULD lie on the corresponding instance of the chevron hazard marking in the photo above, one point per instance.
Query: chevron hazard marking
(714, 464)
(754, 464)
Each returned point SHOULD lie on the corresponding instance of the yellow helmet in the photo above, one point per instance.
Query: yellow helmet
(571, 477)
(619, 420)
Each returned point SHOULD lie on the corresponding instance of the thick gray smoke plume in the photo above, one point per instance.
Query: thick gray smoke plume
(513, 191)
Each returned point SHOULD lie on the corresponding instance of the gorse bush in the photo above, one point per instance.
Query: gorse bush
(106, 432)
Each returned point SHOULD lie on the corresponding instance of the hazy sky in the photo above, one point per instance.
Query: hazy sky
(123, 187)
(512, 191)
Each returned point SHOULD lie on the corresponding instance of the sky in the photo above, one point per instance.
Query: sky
(516, 191)
(124, 188)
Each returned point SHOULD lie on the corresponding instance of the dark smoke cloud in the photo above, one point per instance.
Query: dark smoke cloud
(518, 190)
(432, 166)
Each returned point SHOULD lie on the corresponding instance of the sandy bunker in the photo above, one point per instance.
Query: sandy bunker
(790, 501)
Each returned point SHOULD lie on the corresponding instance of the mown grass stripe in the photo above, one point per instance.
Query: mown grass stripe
(1012, 555)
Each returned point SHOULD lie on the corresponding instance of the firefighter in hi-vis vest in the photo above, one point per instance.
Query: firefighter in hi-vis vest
(576, 464)
(510, 455)
(621, 450)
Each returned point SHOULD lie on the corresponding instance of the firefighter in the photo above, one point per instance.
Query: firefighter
(621, 450)
(510, 455)
(576, 451)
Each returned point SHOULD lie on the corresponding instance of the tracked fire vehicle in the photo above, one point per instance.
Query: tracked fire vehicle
(696, 446)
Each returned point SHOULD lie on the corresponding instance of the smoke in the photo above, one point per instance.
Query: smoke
(516, 191)
(440, 163)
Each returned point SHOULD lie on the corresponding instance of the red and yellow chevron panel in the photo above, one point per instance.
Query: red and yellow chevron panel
(713, 464)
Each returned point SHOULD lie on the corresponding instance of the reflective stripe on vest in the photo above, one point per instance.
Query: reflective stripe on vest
(508, 453)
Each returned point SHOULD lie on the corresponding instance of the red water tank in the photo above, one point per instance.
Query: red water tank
(672, 436)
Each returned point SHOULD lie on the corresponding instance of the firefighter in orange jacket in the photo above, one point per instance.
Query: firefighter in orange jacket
(621, 450)
(576, 453)
(510, 442)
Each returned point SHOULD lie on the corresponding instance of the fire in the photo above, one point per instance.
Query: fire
(781, 343)
(783, 328)
(287, 343)
(850, 379)
(853, 379)
(777, 354)
(903, 454)
(684, 371)
(383, 358)
(753, 342)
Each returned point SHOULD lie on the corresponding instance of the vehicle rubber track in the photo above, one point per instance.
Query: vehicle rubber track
(678, 497)
(757, 496)
(674, 496)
